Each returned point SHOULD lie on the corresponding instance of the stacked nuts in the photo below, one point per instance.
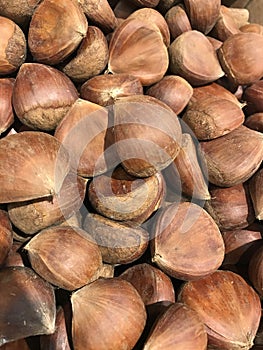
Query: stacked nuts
(131, 193)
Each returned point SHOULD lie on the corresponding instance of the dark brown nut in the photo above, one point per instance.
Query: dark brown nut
(187, 243)
(151, 283)
(225, 156)
(120, 196)
(105, 89)
(193, 57)
(119, 243)
(228, 306)
(253, 96)
(13, 47)
(256, 193)
(255, 270)
(34, 301)
(91, 57)
(255, 122)
(231, 207)
(65, 256)
(56, 29)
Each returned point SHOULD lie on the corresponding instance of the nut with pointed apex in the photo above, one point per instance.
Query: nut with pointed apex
(240, 57)
(187, 243)
(178, 328)
(100, 13)
(56, 29)
(34, 301)
(86, 134)
(33, 165)
(37, 214)
(253, 96)
(213, 117)
(153, 137)
(202, 14)
(36, 106)
(193, 57)
(153, 17)
(111, 308)
(233, 158)
(173, 90)
(231, 207)
(186, 171)
(71, 266)
(228, 306)
(177, 20)
(137, 48)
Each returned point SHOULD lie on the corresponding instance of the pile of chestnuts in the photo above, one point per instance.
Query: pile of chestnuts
(131, 197)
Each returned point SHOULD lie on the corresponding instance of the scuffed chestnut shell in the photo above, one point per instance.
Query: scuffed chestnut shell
(13, 47)
(228, 306)
(120, 196)
(106, 88)
(36, 106)
(35, 215)
(119, 243)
